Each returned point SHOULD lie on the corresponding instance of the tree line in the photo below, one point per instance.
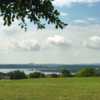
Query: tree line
(84, 72)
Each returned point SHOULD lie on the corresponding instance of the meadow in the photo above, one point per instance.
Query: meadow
(51, 89)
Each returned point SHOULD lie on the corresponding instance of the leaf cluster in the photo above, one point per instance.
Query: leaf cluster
(34, 10)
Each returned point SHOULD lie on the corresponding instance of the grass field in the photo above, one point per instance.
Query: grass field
(51, 89)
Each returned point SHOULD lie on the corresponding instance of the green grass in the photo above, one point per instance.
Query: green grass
(51, 89)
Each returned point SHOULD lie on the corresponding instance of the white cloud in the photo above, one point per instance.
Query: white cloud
(69, 2)
(91, 19)
(85, 21)
(28, 45)
(63, 14)
(80, 21)
(58, 40)
(93, 42)
(5, 44)
(23, 43)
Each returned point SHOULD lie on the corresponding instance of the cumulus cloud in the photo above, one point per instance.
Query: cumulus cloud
(91, 19)
(58, 40)
(5, 44)
(80, 21)
(63, 14)
(69, 2)
(30, 45)
(93, 42)
(27, 45)
(85, 21)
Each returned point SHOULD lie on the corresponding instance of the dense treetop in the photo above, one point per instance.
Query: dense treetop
(34, 10)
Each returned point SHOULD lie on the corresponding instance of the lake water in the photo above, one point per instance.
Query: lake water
(27, 71)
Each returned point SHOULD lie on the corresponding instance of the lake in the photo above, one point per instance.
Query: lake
(27, 71)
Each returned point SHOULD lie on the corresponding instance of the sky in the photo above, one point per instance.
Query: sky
(77, 43)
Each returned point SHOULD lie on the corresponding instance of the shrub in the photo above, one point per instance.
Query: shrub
(66, 73)
(86, 72)
(36, 75)
(2, 75)
(54, 75)
(97, 72)
(17, 75)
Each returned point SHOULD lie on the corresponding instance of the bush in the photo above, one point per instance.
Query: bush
(66, 73)
(36, 75)
(86, 72)
(98, 72)
(54, 75)
(17, 75)
(2, 75)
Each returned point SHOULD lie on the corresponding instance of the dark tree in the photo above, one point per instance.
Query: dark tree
(86, 72)
(66, 73)
(17, 75)
(36, 75)
(34, 10)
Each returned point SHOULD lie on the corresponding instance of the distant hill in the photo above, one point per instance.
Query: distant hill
(49, 67)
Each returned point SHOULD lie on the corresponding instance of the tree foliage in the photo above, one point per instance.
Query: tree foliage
(34, 10)
(36, 75)
(86, 72)
(53, 75)
(17, 75)
(66, 73)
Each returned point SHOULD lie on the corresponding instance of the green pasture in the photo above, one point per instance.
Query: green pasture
(51, 89)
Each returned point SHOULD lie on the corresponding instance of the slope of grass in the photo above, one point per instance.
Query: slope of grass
(51, 89)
